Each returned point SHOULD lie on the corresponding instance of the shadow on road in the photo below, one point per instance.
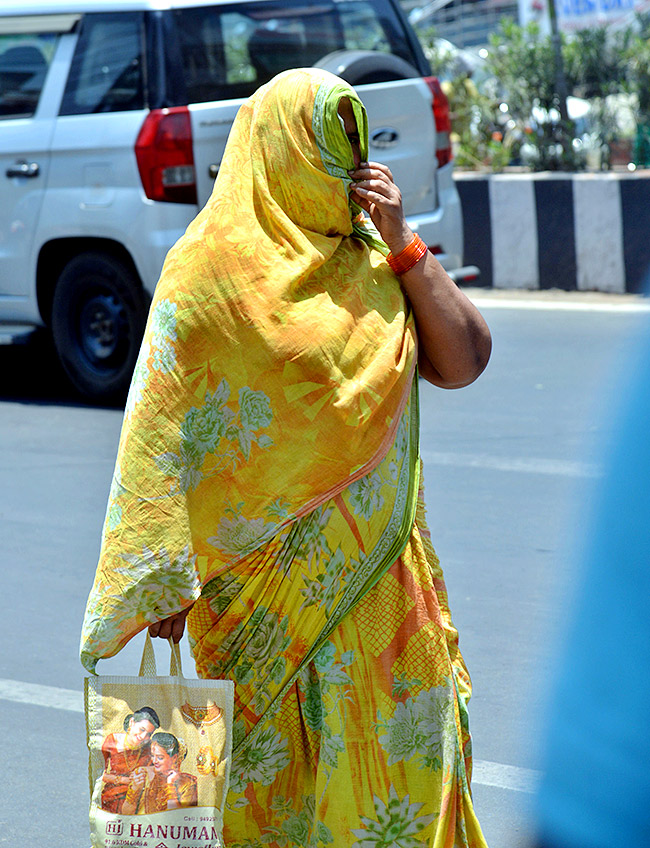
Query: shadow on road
(30, 373)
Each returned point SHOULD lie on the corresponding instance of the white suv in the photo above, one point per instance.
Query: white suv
(114, 116)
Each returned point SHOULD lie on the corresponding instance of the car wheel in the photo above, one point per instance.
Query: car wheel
(359, 67)
(98, 316)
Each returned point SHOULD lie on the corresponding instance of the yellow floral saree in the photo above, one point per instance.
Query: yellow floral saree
(268, 470)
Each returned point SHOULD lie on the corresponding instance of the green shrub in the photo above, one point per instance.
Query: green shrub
(610, 69)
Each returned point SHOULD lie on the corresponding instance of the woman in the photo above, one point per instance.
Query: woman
(268, 480)
(162, 785)
(123, 754)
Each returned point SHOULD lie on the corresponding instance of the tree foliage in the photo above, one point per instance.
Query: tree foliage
(600, 65)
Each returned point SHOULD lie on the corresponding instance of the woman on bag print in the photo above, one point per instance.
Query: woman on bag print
(162, 785)
(124, 753)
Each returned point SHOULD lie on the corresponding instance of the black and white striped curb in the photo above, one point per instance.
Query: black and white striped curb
(567, 231)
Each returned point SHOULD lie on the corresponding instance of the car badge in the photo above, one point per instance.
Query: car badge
(384, 137)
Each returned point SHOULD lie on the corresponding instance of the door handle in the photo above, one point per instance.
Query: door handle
(23, 169)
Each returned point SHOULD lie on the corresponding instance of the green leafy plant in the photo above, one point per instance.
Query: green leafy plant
(513, 116)
(522, 60)
(480, 140)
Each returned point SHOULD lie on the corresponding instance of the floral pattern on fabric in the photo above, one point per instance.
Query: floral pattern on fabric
(365, 495)
(153, 583)
(274, 337)
(326, 587)
(157, 351)
(259, 762)
(352, 720)
(395, 825)
(237, 536)
(114, 510)
(268, 473)
(223, 433)
(315, 566)
(419, 727)
(163, 333)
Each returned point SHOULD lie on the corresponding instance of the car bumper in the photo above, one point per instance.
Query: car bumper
(442, 229)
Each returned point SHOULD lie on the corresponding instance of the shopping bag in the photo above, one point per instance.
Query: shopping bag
(159, 757)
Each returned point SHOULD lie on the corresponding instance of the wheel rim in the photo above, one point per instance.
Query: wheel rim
(103, 331)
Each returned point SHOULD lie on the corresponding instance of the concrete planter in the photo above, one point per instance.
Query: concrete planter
(551, 230)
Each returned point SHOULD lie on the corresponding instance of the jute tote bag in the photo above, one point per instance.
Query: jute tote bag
(160, 750)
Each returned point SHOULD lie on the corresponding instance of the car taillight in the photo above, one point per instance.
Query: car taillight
(165, 156)
(442, 120)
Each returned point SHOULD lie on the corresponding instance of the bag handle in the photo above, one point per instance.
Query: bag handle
(148, 664)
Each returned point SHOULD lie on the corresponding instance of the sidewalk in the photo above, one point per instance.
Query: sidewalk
(558, 299)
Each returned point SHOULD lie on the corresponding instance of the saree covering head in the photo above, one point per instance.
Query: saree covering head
(268, 470)
(275, 369)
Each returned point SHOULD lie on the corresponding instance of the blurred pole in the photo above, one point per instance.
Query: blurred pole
(560, 78)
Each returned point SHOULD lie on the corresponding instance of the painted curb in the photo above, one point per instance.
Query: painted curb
(587, 232)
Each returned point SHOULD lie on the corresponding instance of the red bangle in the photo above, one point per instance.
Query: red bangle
(407, 258)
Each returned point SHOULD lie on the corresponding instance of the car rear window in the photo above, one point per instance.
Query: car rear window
(228, 51)
(107, 71)
(24, 60)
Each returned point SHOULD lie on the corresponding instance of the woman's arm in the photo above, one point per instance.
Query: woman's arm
(109, 747)
(137, 781)
(454, 339)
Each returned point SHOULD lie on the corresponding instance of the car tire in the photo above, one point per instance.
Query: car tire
(359, 67)
(99, 312)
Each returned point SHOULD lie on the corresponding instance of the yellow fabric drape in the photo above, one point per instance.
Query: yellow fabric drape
(370, 747)
(268, 470)
(275, 368)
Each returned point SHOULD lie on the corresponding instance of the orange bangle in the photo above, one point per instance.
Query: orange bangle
(407, 258)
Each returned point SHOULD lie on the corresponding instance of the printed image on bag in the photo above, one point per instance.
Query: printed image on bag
(160, 750)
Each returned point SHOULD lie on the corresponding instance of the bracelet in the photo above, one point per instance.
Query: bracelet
(407, 258)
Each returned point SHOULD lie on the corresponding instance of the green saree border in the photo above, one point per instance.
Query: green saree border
(389, 547)
(335, 150)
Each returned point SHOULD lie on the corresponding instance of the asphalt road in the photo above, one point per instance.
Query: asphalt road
(510, 466)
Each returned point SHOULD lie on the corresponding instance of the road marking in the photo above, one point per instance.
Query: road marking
(41, 696)
(526, 465)
(486, 773)
(505, 777)
(559, 305)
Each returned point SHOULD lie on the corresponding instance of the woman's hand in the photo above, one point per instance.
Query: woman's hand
(454, 340)
(134, 792)
(374, 189)
(174, 780)
(138, 777)
(173, 626)
(111, 778)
